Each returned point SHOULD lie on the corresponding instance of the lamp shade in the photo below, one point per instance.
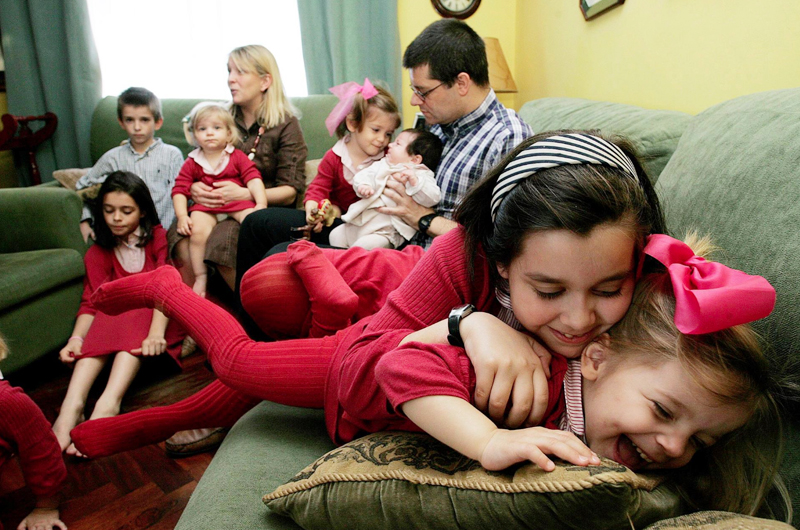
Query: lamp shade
(499, 75)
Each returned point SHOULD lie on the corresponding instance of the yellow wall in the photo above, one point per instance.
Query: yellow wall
(494, 18)
(670, 54)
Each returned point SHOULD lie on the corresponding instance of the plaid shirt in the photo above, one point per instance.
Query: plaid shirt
(473, 144)
(157, 167)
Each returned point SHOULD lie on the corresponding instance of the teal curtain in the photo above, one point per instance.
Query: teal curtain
(52, 66)
(348, 40)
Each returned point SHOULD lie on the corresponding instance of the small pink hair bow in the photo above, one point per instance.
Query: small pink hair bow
(346, 92)
(709, 296)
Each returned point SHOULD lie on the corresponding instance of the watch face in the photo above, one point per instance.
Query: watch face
(456, 8)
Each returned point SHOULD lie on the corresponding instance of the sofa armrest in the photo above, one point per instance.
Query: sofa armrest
(39, 218)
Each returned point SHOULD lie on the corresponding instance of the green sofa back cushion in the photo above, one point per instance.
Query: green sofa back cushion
(106, 132)
(404, 480)
(736, 176)
(654, 133)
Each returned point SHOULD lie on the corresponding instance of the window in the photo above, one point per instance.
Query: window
(179, 48)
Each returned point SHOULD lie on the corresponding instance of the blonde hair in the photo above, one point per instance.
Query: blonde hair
(275, 107)
(383, 100)
(205, 110)
(736, 473)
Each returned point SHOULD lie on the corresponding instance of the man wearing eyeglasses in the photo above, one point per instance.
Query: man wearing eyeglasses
(450, 83)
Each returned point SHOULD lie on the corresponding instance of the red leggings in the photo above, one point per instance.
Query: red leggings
(289, 372)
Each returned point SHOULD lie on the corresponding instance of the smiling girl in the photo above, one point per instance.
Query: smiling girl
(129, 240)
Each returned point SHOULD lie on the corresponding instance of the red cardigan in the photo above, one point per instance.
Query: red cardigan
(25, 431)
(371, 375)
(330, 183)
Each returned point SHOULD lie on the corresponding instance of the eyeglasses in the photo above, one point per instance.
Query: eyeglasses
(423, 95)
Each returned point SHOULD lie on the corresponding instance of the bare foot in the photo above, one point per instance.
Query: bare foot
(105, 410)
(192, 435)
(65, 422)
(200, 283)
(73, 451)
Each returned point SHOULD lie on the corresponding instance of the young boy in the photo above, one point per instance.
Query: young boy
(411, 160)
(157, 163)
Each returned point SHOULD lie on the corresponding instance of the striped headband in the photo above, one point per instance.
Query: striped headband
(561, 150)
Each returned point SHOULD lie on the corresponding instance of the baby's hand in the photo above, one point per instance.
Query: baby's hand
(508, 447)
(71, 351)
(152, 345)
(365, 190)
(42, 519)
(185, 225)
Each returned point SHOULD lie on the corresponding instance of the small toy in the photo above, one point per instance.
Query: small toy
(324, 213)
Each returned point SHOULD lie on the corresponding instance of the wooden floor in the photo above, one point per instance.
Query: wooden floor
(141, 489)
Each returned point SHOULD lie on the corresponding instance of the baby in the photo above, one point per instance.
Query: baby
(410, 160)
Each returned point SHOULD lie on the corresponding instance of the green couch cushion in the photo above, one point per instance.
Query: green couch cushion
(735, 176)
(654, 133)
(404, 480)
(106, 133)
(24, 275)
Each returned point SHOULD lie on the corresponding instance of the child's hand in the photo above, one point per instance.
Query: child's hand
(313, 217)
(86, 231)
(508, 447)
(152, 345)
(509, 366)
(365, 190)
(71, 351)
(185, 225)
(42, 519)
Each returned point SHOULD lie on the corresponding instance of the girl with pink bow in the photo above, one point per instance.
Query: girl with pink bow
(364, 120)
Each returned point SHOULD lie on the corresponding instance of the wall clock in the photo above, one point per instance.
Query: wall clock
(460, 9)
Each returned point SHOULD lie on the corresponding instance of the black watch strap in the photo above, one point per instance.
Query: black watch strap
(454, 322)
(424, 222)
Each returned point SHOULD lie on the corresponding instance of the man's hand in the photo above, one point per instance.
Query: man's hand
(86, 231)
(407, 208)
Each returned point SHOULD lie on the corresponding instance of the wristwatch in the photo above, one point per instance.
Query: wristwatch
(424, 223)
(454, 321)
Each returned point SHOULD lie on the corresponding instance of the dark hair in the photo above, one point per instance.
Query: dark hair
(427, 145)
(383, 100)
(139, 97)
(449, 47)
(128, 183)
(577, 198)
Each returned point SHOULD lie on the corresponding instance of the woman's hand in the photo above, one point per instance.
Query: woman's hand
(509, 366)
(230, 191)
(207, 196)
(152, 345)
(508, 447)
(71, 351)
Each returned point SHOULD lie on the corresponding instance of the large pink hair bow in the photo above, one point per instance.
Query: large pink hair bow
(709, 296)
(346, 92)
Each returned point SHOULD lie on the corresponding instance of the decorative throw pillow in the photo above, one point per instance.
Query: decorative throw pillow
(69, 177)
(404, 480)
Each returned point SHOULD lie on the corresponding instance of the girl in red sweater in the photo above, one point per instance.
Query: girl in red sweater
(129, 240)
(25, 431)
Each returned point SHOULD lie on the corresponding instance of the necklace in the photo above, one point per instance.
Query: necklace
(252, 154)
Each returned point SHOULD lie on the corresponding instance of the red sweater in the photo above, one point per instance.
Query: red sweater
(330, 183)
(25, 431)
(371, 375)
(240, 170)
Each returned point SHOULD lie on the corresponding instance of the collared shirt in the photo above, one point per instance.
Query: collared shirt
(157, 167)
(131, 257)
(199, 156)
(572, 420)
(473, 144)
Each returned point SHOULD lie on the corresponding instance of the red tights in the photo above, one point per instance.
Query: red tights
(288, 372)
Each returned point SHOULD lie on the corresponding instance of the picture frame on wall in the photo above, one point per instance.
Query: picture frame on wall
(593, 8)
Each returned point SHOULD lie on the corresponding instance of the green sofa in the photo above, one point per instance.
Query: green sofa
(41, 271)
(41, 250)
(731, 171)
